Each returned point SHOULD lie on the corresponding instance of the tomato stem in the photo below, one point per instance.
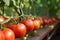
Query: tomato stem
(0, 26)
(14, 21)
(6, 21)
(13, 18)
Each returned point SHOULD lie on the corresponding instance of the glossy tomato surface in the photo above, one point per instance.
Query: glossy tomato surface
(37, 24)
(2, 18)
(2, 37)
(45, 21)
(29, 24)
(9, 34)
(41, 20)
(18, 29)
(21, 30)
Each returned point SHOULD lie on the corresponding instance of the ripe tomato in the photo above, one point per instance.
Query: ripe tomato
(9, 34)
(19, 29)
(41, 20)
(2, 18)
(2, 37)
(45, 21)
(50, 21)
(29, 24)
(3, 25)
(53, 19)
(37, 24)
(22, 30)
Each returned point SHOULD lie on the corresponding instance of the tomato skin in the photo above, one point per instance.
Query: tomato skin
(37, 24)
(45, 21)
(2, 37)
(50, 21)
(18, 29)
(2, 18)
(29, 24)
(3, 25)
(9, 34)
(41, 20)
(22, 30)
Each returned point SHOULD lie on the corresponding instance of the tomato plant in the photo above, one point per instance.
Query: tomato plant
(29, 24)
(19, 29)
(16, 8)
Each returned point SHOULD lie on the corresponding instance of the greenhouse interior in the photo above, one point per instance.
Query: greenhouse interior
(30, 19)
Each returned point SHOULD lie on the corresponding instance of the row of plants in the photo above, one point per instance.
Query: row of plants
(22, 26)
(21, 18)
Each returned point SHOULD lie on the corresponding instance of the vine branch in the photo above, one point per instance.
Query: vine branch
(18, 10)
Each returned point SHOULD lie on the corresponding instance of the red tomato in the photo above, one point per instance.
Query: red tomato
(19, 29)
(50, 21)
(3, 25)
(41, 20)
(45, 21)
(2, 37)
(29, 24)
(2, 18)
(37, 24)
(9, 34)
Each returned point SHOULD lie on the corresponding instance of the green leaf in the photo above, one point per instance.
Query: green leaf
(7, 2)
(14, 2)
(38, 1)
(57, 0)
(27, 4)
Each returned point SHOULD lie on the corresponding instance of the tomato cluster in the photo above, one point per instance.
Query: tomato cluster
(6, 33)
(24, 26)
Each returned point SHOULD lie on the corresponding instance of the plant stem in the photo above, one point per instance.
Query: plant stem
(3, 10)
(18, 10)
(0, 26)
(5, 21)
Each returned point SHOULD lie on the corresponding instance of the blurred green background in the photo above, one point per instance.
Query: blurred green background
(42, 8)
